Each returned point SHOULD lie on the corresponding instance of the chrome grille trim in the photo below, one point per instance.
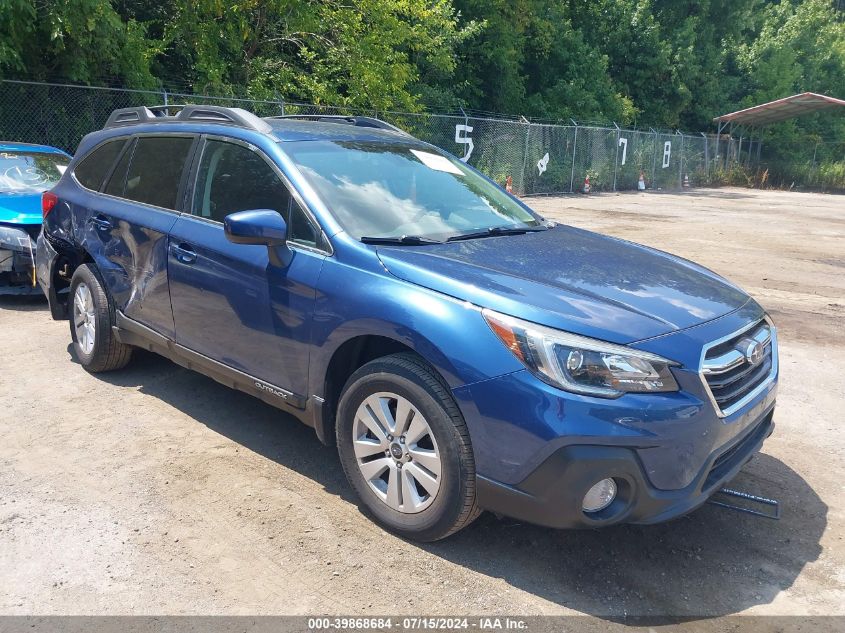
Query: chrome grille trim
(722, 364)
(734, 358)
(763, 332)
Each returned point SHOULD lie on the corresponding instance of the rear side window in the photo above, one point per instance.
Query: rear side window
(114, 187)
(92, 169)
(156, 170)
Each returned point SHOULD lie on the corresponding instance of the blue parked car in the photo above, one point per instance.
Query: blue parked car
(463, 353)
(26, 171)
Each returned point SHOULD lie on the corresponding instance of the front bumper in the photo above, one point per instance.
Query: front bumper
(539, 449)
(553, 493)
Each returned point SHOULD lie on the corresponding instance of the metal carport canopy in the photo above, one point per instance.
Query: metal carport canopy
(780, 110)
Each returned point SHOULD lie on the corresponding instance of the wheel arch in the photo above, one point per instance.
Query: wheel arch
(366, 319)
(351, 354)
(66, 262)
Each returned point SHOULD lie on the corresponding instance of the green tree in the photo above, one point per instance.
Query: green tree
(532, 59)
(663, 63)
(82, 41)
(703, 36)
(640, 57)
(800, 47)
(361, 53)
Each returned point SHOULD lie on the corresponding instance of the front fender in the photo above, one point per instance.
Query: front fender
(448, 333)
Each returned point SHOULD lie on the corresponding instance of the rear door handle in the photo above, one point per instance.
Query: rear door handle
(184, 253)
(101, 223)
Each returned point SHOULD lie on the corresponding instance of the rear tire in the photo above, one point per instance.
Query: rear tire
(91, 320)
(405, 449)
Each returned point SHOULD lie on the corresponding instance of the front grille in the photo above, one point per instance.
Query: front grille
(735, 368)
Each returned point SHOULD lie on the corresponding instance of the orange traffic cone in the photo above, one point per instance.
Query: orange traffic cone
(587, 184)
(641, 182)
(509, 184)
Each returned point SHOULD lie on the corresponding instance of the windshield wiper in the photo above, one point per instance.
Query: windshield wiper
(496, 230)
(402, 240)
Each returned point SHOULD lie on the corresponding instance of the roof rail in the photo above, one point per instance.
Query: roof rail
(357, 121)
(186, 114)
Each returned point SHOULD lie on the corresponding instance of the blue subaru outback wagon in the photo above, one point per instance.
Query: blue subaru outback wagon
(463, 353)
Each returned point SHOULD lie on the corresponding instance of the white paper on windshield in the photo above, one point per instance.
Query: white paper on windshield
(436, 162)
(61, 168)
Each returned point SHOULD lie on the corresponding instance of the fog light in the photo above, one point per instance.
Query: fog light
(599, 496)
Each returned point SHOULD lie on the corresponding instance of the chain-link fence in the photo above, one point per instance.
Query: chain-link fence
(539, 158)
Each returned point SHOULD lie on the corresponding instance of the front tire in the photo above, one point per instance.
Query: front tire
(91, 321)
(405, 449)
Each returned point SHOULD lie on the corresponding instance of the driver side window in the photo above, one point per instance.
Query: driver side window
(234, 178)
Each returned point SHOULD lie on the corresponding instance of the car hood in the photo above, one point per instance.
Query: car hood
(573, 280)
(20, 208)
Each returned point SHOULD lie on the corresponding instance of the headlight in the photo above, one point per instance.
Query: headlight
(579, 364)
(15, 239)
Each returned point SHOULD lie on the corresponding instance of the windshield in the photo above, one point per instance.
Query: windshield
(389, 189)
(30, 172)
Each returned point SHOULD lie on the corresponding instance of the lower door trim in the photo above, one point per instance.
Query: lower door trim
(130, 332)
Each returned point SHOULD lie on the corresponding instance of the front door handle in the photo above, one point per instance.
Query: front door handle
(101, 222)
(184, 253)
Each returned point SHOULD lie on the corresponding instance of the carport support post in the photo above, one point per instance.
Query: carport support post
(718, 135)
(706, 156)
(730, 142)
(721, 128)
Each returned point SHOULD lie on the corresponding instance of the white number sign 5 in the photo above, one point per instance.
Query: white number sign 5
(462, 138)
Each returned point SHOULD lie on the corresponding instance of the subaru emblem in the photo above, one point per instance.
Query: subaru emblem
(754, 353)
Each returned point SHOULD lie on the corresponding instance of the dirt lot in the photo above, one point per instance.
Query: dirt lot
(156, 490)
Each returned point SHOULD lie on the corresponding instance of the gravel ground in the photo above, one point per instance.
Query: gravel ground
(154, 490)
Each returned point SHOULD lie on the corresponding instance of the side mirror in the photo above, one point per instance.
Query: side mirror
(259, 226)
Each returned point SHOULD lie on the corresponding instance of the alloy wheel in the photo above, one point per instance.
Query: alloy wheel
(84, 319)
(396, 452)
